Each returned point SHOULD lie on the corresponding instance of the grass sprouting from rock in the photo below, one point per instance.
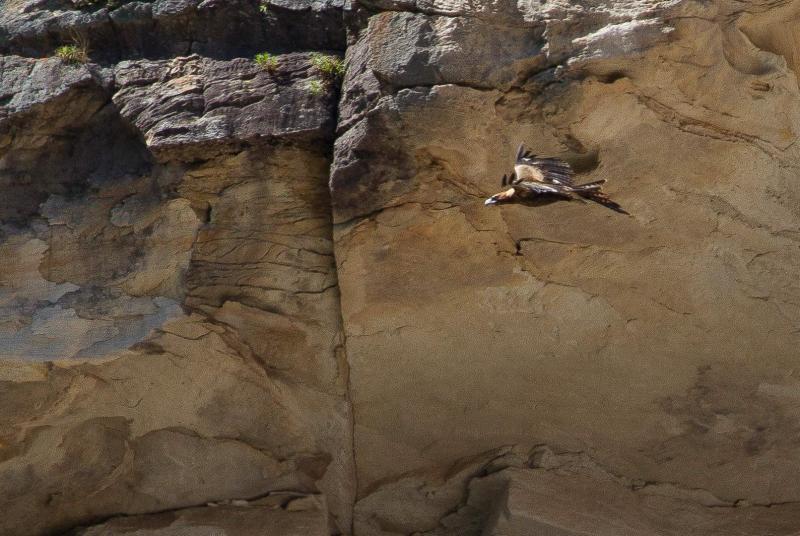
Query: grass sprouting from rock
(316, 87)
(72, 54)
(330, 66)
(266, 61)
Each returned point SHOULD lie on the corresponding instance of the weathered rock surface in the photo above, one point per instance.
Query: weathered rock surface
(171, 327)
(168, 28)
(663, 345)
(277, 515)
(190, 107)
(519, 492)
(222, 287)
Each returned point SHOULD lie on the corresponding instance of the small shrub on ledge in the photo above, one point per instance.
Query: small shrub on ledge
(72, 54)
(266, 61)
(330, 66)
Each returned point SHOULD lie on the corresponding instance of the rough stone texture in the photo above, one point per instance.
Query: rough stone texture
(518, 492)
(176, 329)
(190, 107)
(168, 28)
(664, 345)
(277, 515)
(171, 329)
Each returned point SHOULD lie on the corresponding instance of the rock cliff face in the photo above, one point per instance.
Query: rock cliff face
(240, 300)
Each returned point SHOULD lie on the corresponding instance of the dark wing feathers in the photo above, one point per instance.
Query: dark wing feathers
(603, 199)
(521, 152)
(554, 169)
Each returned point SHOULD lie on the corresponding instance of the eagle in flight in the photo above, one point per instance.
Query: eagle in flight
(535, 176)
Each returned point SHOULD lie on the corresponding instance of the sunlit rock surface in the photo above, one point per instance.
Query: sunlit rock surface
(239, 300)
(171, 328)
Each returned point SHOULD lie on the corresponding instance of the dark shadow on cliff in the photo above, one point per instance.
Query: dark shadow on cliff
(137, 30)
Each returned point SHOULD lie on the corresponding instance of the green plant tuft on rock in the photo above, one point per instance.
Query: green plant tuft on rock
(263, 7)
(267, 61)
(330, 66)
(72, 54)
(316, 88)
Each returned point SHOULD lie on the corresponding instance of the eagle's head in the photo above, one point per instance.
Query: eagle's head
(501, 197)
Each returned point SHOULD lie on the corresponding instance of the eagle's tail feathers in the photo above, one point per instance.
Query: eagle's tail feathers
(602, 199)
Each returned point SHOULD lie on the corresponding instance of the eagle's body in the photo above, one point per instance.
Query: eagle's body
(534, 177)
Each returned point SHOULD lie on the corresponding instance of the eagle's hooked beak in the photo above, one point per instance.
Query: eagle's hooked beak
(502, 196)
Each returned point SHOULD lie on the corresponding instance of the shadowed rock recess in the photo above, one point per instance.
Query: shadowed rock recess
(248, 301)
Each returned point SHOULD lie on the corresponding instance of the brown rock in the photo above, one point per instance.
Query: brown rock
(183, 295)
(252, 519)
(643, 339)
(230, 306)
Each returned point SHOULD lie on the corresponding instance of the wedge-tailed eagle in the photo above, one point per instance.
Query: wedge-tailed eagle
(534, 177)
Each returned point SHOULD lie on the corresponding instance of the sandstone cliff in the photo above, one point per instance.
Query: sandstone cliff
(240, 300)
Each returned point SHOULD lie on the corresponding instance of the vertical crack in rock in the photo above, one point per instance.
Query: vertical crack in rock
(171, 333)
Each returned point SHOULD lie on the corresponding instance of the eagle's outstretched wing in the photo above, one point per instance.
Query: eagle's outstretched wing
(540, 188)
(549, 170)
(533, 187)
